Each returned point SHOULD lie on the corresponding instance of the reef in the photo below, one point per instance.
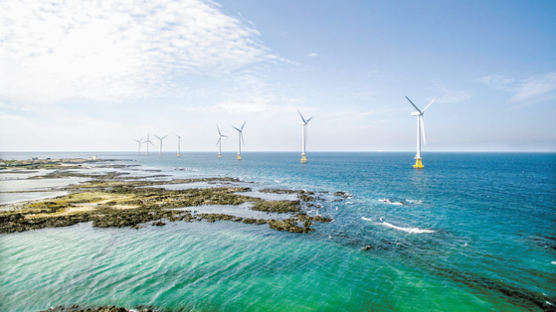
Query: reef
(279, 206)
(303, 195)
(343, 195)
(111, 200)
(65, 163)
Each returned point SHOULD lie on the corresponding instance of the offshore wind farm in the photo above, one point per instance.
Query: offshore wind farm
(196, 155)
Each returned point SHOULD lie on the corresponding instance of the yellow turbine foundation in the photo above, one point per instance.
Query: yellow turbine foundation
(239, 157)
(219, 155)
(303, 158)
(418, 164)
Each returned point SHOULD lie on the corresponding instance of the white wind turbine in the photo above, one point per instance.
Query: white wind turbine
(303, 136)
(147, 142)
(219, 142)
(139, 142)
(240, 138)
(160, 139)
(179, 142)
(420, 129)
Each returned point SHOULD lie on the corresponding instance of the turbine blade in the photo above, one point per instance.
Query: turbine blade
(309, 120)
(430, 103)
(423, 129)
(300, 115)
(243, 125)
(219, 139)
(417, 108)
(217, 128)
(236, 128)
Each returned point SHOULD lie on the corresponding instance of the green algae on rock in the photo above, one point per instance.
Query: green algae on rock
(114, 200)
(116, 203)
(303, 195)
(65, 163)
(279, 206)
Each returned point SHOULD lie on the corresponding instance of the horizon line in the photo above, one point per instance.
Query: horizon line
(319, 151)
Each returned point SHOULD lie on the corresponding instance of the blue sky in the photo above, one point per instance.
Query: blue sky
(93, 76)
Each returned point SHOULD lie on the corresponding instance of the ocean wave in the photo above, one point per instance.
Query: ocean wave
(414, 201)
(411, 230)
(391, 202)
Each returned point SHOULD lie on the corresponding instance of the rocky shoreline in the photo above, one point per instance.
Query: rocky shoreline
(114, 200)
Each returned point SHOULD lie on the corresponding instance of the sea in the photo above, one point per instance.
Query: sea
(469, 232)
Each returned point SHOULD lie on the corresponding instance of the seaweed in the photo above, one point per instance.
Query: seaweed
(280, 206)
(113, 202)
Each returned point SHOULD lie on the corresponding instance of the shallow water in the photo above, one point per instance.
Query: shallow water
(269, 196)
(17, 197)
(243, 210)
(487, 241)
(37, 184)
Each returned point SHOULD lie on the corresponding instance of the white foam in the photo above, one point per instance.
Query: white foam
(411, 230)
(414, 201)
(553, 262)
(388, 201)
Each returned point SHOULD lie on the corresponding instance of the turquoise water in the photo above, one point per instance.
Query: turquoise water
(476, 233)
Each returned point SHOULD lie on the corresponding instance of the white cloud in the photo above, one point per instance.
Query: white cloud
(453, 96)
(496, 81)
(446, 95)
(531, 89)
(535, 88)
(313, 54)
(51, 51)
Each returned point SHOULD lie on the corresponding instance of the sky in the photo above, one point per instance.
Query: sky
(95, 75)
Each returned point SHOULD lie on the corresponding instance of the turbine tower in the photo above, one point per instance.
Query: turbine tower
(420, 129)
(240, 138)
(147, 142)
(160, 139)
(179, 142)
(303, 136)
(219, 142)
(139, 141)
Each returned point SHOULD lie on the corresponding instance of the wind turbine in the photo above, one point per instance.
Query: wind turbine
(179, 142)
(303, 136)
(160, 139)
(219, 142)
(240, 138)
(139, 141)
(420, 128)
(148, 141)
